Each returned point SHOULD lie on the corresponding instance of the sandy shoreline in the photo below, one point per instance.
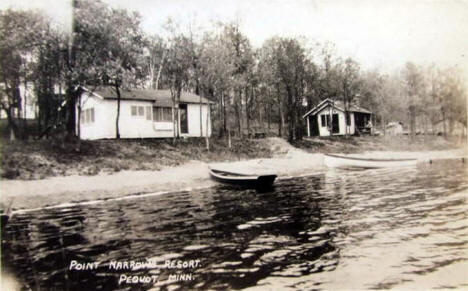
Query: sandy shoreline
(72, 189)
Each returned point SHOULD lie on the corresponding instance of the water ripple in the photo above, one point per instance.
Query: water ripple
(379, 229)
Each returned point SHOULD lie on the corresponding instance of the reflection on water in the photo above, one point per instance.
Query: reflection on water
(339, 229)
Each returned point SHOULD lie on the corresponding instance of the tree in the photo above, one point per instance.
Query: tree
(177, 70)
(452, 99)
(216, 71)
(124, 49)
(156, 51)
(350, 87)
(414, 85)
(101, 52)
(290, 71)
(48, 76)
(329, 74)
(22, 33)
(239, 49)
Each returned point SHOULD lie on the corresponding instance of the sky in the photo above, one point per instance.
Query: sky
(381, 35)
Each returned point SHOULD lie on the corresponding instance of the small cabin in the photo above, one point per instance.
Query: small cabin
(143, 114)
(329, 118)
(394, 128)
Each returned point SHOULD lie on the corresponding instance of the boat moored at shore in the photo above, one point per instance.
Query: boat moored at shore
(342, 161)
(260, 181)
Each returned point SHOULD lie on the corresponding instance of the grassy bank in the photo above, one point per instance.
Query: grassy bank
(41, 159)
(379, 143)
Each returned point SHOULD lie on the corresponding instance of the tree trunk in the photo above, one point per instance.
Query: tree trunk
(248, 103)
(290, 114)
(384, 128)
(71, 120)
(443, 120)
(179, 90)
(78, 128)
(412, 123)
(201, 120)
(223, 101)
(247, 118)
(268, 109)
(151, 73)
(72, 92)
(220, 118)
(174, 123)
(281, 121)
(11, 124)
(425, 124)
(345, 103)
(373, 124)
(117, 119)
(159, 71)
(238, 117)
(261, 116)
(24, 120)
(432, 127)
(238, 108)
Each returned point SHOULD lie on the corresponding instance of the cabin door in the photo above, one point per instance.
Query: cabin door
(313, 123)
(335, 124)
(183, 118)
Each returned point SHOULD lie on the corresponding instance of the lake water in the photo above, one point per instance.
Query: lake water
(372, 229)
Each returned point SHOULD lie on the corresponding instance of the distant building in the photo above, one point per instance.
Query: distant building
(394, 128)
(143, 114)
(328, 118)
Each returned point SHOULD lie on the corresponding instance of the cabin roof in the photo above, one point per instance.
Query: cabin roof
(339, 105)
(162, 97)
(394, 123)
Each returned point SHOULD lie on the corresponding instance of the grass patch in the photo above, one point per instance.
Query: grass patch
(29, 160)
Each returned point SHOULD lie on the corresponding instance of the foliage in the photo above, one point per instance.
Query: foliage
(253, 89)
(22, 32)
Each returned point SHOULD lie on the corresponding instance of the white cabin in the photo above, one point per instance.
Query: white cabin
(328, 118)
(394, 128)
(143, 114)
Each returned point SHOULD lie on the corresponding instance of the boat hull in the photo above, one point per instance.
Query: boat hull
(249, 181)
(338, 161)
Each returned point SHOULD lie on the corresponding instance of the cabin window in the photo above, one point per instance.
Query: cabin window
(148, 113)
(141, 111)
(167, 114)
(162, 114)
(138, 110)
(325, 119)
(348, 119)
(87, 116)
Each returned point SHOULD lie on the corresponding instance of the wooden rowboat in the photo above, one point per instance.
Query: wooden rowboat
(245, 180)
(339, 161)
